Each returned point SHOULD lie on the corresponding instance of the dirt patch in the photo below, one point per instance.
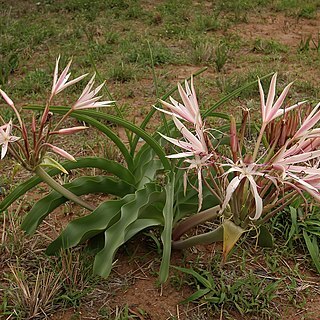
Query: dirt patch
(287, 30)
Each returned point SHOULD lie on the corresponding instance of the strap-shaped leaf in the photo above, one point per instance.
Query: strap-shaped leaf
(79, 230)
(197, 295)
(146, 167)
(313, 249)
(142, 224)
(116, 234)
(138, 131)
(80, 186)
(166, 235)
(87, 162)
(204, 281)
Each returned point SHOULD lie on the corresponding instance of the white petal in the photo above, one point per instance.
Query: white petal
(257, 198)
(233, 184)
(4, 149)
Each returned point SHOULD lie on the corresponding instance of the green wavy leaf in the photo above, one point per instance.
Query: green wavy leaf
(142, 224)
(117, 233)
(146, 167)
(84, 228)
(80, 186)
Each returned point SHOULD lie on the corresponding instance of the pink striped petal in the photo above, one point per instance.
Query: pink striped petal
(310, 121)
(271, 94)
(179, 143)
(61, 83)
(180, 155)
(61, 152)
(272, 112)
(87, 98)
(301, 157)
(262, 102)
(198, 146)
(70, 130)
(6, 98)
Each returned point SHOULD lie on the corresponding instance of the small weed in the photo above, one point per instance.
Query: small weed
(237, 9)
(7, 67)
(134, 11)
(221, 55)
(268, 46)
(307, 89)
(309, 11)
(246, 293)
(122, 72)
(117, 4)
(111, 37)
(176, 11)
(123, 313)
(202, 51)
(298, 8)
(171, 30)
(207, 23)
(155, 19)
(13, 240)
(316, 43)
(6, 115)
(100, 51)
(304, 45)
(140, 53)
(228, 84)
(77, 275)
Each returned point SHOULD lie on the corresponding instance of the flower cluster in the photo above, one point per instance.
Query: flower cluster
(30, 150)
(251, 187)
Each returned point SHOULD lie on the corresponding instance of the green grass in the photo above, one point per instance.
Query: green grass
(268, 46)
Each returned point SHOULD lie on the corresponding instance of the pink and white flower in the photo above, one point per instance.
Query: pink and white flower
(194, 144)
(62, 83)
(87, 98)
(6, 138)
(270, 109)
(247, 171)
(189, 111)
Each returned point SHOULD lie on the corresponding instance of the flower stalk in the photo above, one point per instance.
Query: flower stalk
(41, 173)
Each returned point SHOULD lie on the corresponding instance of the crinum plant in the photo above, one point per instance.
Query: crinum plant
(140, 188)
(251, 181)
(32, 149)
(147, 190)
